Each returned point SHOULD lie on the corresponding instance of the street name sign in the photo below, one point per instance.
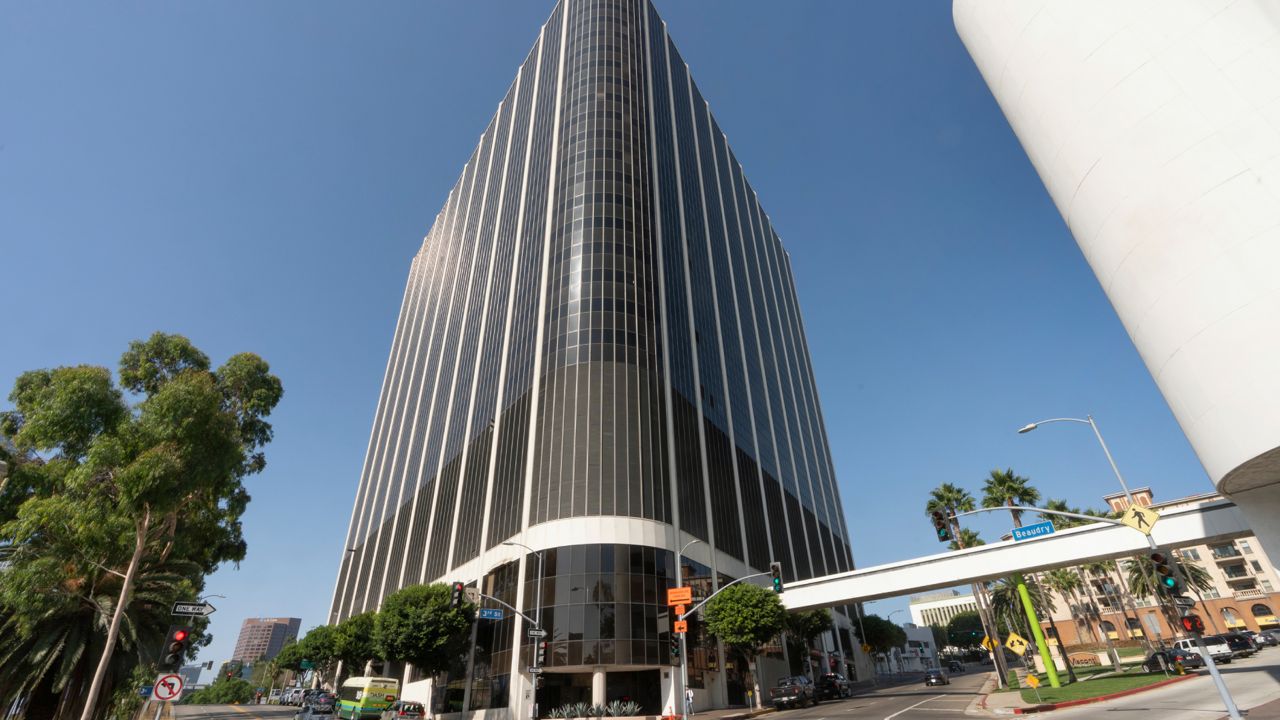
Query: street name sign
(537, 633)
(1016, 643)
(193, 609)
(534, 670)
(1140, 518)
(1184, 601)
(1028, 532)
(307, 665)
(679, 595)
(168, 687)
(490, 613)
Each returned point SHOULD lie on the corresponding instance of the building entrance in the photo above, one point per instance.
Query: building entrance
(639, 686)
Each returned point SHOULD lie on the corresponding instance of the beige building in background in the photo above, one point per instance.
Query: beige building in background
(1242, 597)
(938, 608)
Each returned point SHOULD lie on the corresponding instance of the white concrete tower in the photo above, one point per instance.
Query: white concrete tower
(1155, 127)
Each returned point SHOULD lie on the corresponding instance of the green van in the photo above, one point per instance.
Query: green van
(365, 697)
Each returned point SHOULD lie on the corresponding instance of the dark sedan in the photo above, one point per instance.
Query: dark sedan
(936, 677)
(1161, 660)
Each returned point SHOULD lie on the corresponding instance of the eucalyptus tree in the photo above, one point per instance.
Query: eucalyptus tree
(123, 487)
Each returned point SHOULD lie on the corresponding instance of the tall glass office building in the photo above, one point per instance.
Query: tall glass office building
(599, 356)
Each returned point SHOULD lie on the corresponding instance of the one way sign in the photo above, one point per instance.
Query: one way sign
(193, 609)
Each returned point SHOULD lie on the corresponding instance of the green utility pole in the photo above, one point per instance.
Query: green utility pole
(1034, 622)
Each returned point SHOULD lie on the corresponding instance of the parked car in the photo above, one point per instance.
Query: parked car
(1166, 659)
(833, 686)
(274, 697)
(1274, 634)
(319, 704)
(955, 666)
(794, 691)
(1218, 648)
(404, 710)
(936, 676)
(1240, 644)
(1261, 639)
(291, 696)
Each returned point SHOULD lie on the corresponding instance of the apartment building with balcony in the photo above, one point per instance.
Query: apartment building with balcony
(1241, 594)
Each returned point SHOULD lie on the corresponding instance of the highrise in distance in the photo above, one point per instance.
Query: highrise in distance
(262, 638)
(599, 360)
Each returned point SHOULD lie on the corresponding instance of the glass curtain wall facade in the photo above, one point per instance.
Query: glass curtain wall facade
(602, 323)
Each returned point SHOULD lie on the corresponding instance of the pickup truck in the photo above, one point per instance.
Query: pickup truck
(796, 691)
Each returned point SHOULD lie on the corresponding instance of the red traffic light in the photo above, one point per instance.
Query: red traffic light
(1193, 624)
(179, 635)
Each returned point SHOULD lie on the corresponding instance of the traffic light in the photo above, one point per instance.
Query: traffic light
(1165, 579)
(1193, 624)
(175, 647)
(458, 592)
(540, 653)
(675, 645)
(775, 570)
(941, 526)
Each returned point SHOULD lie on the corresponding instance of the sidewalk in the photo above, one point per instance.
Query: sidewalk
(1269, 711)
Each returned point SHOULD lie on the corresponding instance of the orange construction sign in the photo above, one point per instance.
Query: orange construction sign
(679, 596)
(680, 626)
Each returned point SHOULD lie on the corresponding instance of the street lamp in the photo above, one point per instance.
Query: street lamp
(684, 648)
(537, 619)
(1232, 711)
(1087, 420)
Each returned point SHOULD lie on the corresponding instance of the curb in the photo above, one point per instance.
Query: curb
(1088, 701)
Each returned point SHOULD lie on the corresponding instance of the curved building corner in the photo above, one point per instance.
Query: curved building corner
(1156, 130)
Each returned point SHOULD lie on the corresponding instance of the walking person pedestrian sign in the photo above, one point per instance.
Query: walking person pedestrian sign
(1140, 518)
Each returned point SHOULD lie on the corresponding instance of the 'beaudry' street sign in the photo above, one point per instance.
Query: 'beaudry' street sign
(1027, 532)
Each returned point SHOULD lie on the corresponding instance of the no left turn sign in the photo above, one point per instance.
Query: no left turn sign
(168, 687)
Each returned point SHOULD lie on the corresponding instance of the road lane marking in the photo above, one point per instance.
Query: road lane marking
(903, 710)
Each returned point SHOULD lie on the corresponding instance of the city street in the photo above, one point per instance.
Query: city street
(911, 701)
(235, 712)
(1252, 681)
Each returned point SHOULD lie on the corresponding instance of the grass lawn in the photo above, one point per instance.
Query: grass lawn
(1092, 688)
(1131, 651)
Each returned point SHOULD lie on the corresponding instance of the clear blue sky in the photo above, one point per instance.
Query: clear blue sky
(257, 177)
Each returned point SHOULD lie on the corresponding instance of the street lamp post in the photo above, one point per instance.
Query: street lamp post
(537, 623)
(684, 648)
(1232, 711)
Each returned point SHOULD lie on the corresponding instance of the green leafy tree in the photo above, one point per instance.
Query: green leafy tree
(940, 639)
(882, 635)
(965, 630)
(109, 493)
(746, 618)
(223, 691)
(1006, 488)
(805, 626)
(353, 642)
(416, 624)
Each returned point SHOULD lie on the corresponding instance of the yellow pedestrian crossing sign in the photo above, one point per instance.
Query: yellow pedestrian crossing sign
(1015, 643)
(1140, 518)
(988, 643)
(1033, 681)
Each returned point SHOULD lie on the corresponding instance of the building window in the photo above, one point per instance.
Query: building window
(1190, 554)
(1257, 566)
(1229, 614)
(1260, 610)
(1245, 547)
(1266, 585)
(1211, 593)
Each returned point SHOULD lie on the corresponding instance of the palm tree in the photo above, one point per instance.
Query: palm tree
(1067, 584)
(1004, 487)
(967, 538)
(948, 498)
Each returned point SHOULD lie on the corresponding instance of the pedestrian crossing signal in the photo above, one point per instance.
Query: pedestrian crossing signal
(1193, 624)
(458, 590)
(941, 526)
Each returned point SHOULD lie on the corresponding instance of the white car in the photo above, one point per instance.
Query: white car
(1218, 648)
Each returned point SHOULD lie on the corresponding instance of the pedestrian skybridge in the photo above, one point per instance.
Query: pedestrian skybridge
(1207, 522)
